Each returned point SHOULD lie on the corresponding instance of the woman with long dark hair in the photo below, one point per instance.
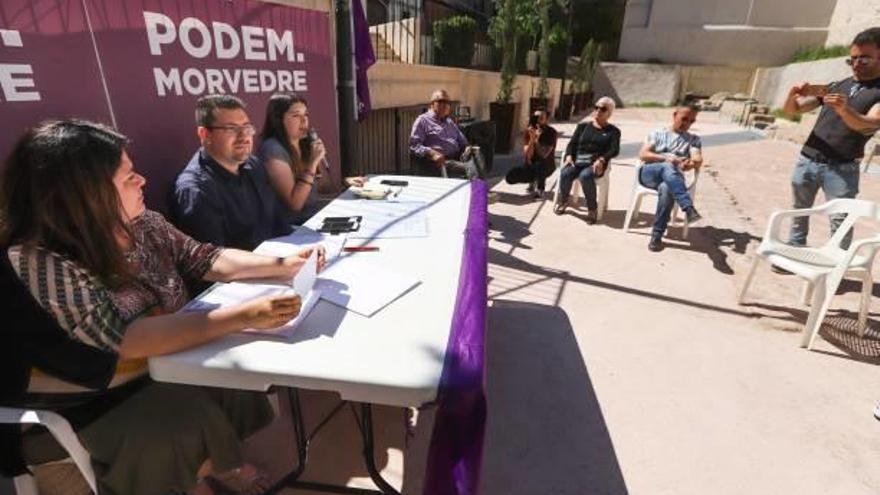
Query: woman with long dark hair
(93, 282)
(292, 158)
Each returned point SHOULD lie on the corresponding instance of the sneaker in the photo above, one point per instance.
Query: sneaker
(591, 217)
(656, 243)
(531, 188)
(538, 193)
(877, 412)
(559, 208)
(692, 215)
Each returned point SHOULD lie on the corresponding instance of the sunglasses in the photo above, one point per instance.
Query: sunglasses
(600, 108)
(860, 60)
(442, 102)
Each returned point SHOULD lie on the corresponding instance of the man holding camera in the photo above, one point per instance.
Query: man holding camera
(539, 146)
(437, 142)
(850, 114)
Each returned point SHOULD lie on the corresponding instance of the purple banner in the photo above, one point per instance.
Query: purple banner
(142, 64)
(456, 451)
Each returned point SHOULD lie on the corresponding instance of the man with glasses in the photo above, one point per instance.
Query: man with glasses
(666, 154)
(223, 195)
(830, 156)
(437, 142)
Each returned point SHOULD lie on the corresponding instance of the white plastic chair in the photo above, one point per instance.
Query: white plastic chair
(63, 433)
(866, 163)
(602, 184)
(639, 192)
(822, 267)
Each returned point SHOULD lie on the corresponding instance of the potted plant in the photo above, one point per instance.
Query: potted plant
(454, 40)
(505, 29)
(541, 99)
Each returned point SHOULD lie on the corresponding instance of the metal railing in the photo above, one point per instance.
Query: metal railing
(401, 31)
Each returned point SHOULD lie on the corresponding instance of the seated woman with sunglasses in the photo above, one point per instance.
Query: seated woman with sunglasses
(92, 283)
(588, 155)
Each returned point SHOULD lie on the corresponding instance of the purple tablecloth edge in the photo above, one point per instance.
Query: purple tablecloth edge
(456, 451)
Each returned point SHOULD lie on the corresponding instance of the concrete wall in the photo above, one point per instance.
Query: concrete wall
(742, 33)
(396, 85)
(707, 80)
(629, 84)
(772, 84)
(850, 17)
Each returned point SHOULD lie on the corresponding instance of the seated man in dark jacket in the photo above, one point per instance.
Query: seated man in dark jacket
(223, 195)
(437, 142)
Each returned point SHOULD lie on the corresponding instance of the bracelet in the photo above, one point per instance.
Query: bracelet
(311, 183)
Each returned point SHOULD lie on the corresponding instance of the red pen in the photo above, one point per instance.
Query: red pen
(359, 249)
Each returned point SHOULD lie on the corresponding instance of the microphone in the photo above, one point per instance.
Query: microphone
(313, 136)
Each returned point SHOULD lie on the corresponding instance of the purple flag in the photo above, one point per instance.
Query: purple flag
(363, 58)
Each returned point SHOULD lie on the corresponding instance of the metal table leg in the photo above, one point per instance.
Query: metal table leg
(365, 425)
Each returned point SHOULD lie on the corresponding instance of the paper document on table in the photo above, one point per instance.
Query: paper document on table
(385, 219)
(302, 237)
(222, 295)
(358, 285)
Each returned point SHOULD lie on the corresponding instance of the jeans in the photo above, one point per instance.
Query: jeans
(582, 171)
(526, 173)
(668, 181)
(839, 180)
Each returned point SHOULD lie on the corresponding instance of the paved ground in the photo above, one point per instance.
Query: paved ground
(613, 370)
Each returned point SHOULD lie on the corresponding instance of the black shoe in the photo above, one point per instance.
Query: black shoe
(656, 243)
(559, 208)
(591, 217)
(692, 215)
(531, 188)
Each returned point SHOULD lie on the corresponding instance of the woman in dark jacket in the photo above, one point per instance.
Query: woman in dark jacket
(588, 156)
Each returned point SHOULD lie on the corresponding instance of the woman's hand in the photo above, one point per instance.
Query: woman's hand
(599, 166)
(319, 152)
(300, 258)
(356, 181)
(269, 311)
(568, 161)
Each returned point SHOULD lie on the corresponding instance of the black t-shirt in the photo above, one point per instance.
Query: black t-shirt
(588, 143)
(831, 140)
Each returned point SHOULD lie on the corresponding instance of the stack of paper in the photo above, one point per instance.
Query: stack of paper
(223, 295)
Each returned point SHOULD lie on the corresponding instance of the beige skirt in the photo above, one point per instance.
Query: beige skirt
(157, 439)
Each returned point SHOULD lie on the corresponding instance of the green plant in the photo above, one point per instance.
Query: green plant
(808, 53)
(648, 104)
(782, 114)
(454, 39)
(591, 55)
(514, 19)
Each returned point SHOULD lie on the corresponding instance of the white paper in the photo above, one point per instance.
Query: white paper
(305, 277)
(357, 284)
(233, 293)
(303, 237)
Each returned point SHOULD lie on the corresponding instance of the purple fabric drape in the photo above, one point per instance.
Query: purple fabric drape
(456, 450)
(363, 58)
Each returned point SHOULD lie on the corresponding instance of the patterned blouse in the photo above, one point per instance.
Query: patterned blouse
(162, 257)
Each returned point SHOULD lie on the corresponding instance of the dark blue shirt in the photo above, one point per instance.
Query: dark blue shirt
(214, 205)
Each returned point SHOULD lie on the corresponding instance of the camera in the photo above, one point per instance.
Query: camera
(533, 120)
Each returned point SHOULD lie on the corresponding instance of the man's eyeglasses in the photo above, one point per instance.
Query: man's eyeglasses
(600, 108)
(860, 60)
(247, 129)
